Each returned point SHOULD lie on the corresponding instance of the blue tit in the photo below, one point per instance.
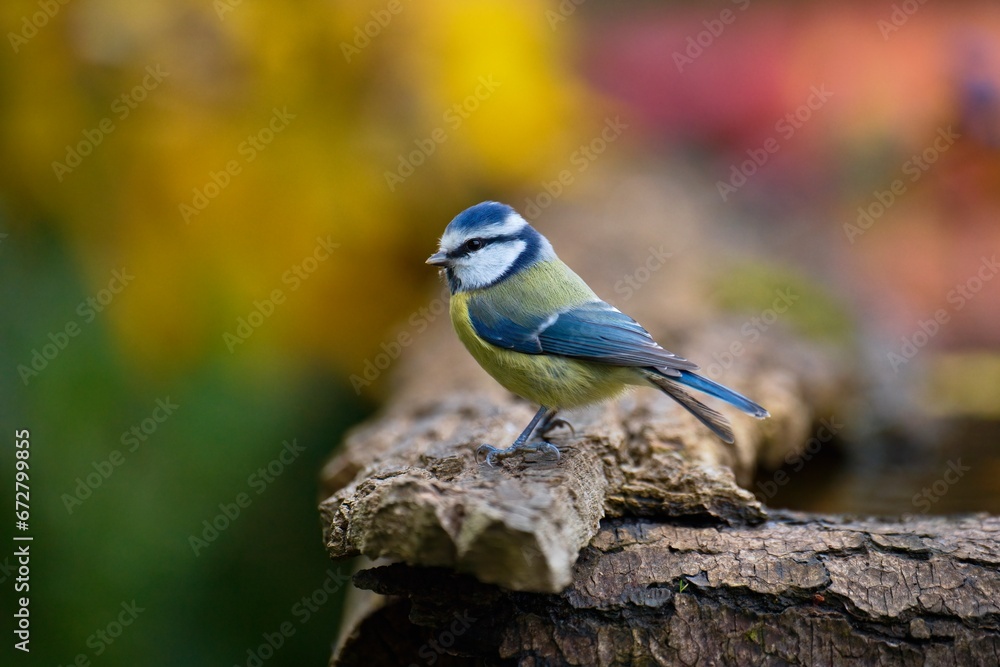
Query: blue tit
(541, 332)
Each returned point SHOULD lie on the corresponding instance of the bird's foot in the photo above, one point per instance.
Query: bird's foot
(492, 455)
(553, 424)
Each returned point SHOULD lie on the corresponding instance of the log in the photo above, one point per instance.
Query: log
(795, 590)
(408, 487)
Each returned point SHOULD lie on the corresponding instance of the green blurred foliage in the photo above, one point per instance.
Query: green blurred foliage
(107, 534)
(809, 308)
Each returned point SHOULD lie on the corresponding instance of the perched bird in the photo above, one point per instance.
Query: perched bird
(542, 333)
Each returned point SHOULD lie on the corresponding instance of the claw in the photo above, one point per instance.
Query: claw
(491, 453)
(556, 423)
(549, 449)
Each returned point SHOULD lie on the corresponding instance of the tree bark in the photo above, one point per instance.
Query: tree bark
(795, 590)
(408, 487)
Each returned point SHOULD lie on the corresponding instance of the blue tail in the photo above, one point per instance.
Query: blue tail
(703, 384)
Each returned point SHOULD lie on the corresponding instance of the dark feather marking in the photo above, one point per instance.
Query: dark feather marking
(706, 415)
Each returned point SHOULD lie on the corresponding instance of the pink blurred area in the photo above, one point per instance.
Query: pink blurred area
(899, 79)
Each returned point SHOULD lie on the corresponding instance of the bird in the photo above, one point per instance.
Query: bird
(540, 331)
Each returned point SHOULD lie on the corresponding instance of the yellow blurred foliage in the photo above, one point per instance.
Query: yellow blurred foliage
(218, 145)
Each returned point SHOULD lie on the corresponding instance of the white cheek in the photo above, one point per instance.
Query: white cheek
(486, 266)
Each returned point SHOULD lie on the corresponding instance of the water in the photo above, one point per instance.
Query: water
(890, 478)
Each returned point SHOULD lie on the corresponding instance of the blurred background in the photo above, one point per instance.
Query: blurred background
(214, 216)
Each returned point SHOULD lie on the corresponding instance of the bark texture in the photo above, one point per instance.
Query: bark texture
(416, 493)
(795, 590)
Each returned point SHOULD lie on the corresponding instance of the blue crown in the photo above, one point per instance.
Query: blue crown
(481, 215)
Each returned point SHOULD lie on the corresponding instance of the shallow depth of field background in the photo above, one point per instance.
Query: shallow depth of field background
(214, 216)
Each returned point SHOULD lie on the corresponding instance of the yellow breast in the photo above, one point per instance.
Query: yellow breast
(552, 381)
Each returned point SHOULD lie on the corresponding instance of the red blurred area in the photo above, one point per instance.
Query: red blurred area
(738, 82)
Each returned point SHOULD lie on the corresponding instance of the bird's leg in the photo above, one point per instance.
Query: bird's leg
(543, 415)
(550, 423)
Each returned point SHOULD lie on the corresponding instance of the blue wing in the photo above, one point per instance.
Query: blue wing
(595, 331)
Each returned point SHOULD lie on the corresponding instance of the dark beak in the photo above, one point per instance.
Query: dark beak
(439, 259)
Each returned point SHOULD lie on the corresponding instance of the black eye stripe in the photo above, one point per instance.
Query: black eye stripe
(464, 249)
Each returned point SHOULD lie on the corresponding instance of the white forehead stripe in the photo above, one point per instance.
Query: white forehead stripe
(486, 266)
(512, 224)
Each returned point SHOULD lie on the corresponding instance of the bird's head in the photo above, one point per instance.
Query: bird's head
(486, 244)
